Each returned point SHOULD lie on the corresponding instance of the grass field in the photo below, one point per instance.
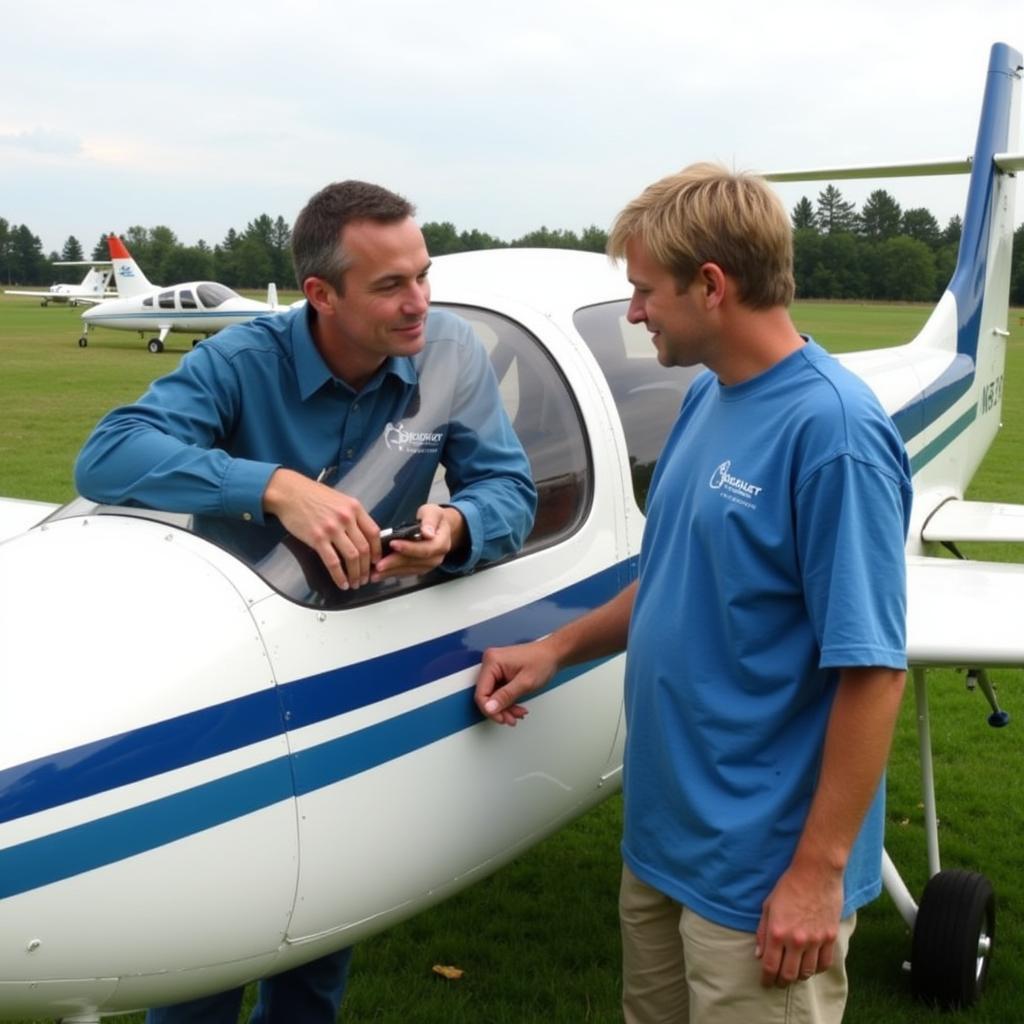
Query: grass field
(539, 941)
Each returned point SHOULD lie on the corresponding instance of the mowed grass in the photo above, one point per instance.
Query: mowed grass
(539, 941)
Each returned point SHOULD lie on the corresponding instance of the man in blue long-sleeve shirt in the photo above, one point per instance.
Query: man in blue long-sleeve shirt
(331, 419)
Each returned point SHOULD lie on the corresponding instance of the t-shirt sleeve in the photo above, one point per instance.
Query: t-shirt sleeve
(851, 531)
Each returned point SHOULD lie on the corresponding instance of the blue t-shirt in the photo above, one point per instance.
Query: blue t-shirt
(207, 437)
(773, 555)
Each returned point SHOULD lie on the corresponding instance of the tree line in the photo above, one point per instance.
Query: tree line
(878, 252)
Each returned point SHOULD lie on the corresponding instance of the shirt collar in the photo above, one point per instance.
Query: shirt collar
(313, 373)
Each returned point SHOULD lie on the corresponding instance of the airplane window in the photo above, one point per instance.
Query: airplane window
(148, 301)
(647, 394)
(543, 412)
(544, 415)
(166, 300)
(188, 300)
(212, 294)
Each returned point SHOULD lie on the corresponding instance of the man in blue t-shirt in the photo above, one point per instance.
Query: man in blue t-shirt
(765, 634)
(329, 421)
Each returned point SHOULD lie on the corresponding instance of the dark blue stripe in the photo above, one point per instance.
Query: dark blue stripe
(350, 755)
(338, 691)
(115, 761)
(139, 829)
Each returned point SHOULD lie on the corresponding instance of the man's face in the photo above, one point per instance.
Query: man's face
(674, 315)
(382, 309)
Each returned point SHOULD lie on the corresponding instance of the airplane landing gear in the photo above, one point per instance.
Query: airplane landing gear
(83, 341)
(953, 938)
(155, 345)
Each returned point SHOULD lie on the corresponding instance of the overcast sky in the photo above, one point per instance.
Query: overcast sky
(501, 117)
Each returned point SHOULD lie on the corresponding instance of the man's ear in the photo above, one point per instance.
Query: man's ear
(318, 293)
(713, 282)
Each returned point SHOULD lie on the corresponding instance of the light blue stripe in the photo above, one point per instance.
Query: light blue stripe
(946, 438)
(115, 837)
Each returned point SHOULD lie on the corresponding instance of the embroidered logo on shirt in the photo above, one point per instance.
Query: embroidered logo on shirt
(733, 488)
(397, 438)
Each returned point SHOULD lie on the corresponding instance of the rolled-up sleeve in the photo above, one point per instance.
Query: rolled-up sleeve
(163, 451)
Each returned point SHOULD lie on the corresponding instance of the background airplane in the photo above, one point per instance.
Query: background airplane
(258, 790)
(93, 287)
(197, 307)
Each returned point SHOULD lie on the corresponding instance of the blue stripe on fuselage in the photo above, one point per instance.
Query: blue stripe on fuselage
(152, 750)
(127, 833)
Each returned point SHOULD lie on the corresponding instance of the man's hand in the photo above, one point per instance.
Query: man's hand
(508, 674)
(333, 524)
(442, 530)
(799, 925)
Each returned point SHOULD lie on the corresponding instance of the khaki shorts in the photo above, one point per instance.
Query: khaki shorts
(680, 968)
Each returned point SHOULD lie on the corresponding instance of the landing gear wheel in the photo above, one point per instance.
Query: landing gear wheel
(155, 345)
(83, 341)
(953, 939)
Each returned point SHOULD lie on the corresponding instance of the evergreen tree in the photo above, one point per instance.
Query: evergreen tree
(880, 216)
(803, 215)
(442, 238)
(224, 258)
(162, 243)
(72, 249)
(545, 238)
(188, 263)
(5, 251)
(834, 214)
(1017, 268)
(252, 263)
(920, 224)
(953, 230)
(28, 264)
(100, 251)
(281, 253)
(594, 239)
(908, 270)
(473, 241)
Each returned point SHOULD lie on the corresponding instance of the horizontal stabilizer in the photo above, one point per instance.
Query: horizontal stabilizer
(975, 521)
(963, 613)
(17, 516)
(1009, 162)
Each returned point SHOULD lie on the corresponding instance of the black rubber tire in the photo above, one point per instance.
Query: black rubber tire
(957, 910)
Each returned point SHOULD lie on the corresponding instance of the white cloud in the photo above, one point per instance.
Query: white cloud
(498, 117)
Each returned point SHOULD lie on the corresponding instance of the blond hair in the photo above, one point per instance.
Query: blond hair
(706, 213)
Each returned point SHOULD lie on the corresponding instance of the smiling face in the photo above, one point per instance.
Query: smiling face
(674, 314)
(381, 308)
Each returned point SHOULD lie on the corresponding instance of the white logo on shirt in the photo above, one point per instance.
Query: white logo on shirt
(733, 487)
(397, 438)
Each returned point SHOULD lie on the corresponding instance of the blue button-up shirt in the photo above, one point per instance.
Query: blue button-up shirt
(207, 437)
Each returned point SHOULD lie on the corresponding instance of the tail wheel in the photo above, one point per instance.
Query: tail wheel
(953, 939)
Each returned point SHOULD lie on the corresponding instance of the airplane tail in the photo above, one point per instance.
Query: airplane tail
(128, 278)
(970, 321)
(95, 282)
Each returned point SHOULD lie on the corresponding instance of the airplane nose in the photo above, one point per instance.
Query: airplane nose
(135, 686)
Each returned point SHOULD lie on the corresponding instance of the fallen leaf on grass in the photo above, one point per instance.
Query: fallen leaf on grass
(445, 971)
